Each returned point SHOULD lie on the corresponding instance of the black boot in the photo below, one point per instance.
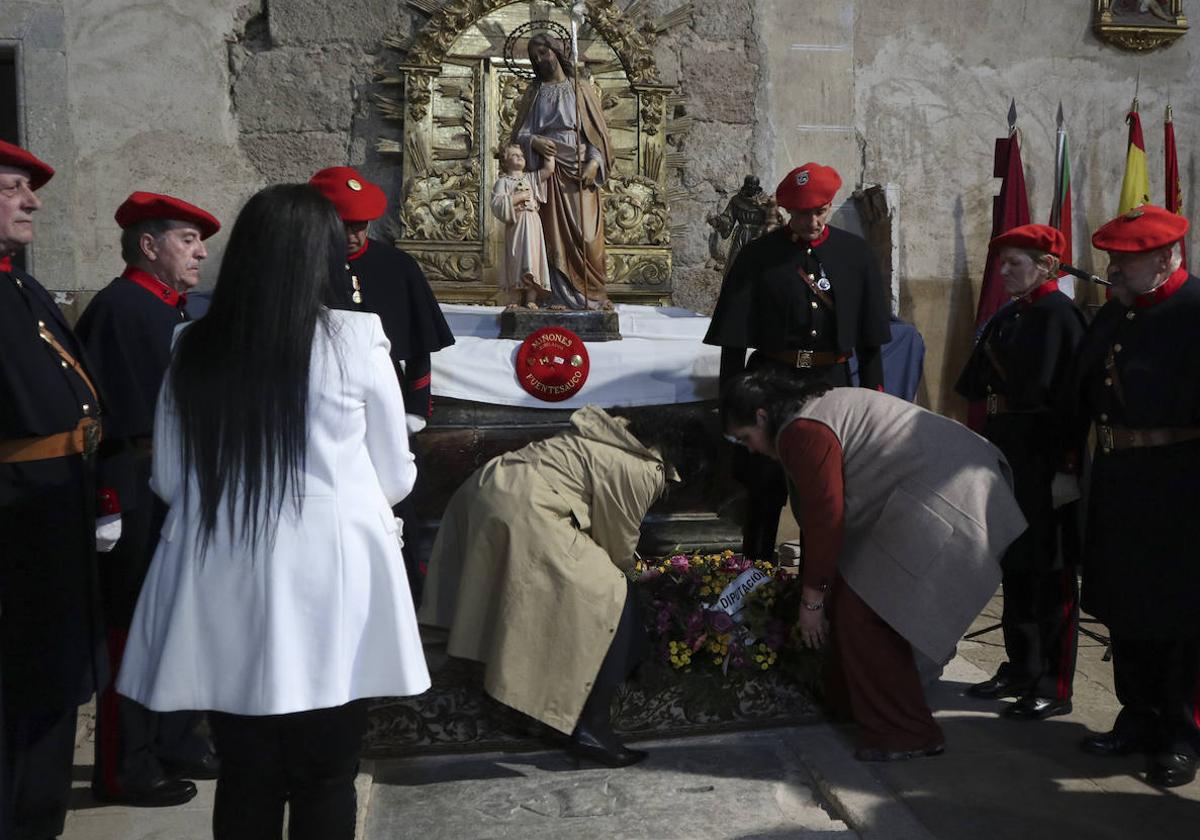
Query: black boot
(594, 738)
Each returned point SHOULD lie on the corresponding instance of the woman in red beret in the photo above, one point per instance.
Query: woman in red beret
(1017, 367)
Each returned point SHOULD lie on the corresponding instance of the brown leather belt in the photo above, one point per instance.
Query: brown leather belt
(806, 358)
(1117, 437)
(84, 439)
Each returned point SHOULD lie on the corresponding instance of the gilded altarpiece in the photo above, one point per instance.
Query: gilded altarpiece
(457, 109)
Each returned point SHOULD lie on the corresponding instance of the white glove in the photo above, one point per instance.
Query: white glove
(108, 531)
(1064, 490)
(400, 528)
(414, 422)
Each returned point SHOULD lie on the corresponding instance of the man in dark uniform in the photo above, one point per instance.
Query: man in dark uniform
(1137, 378)
(805, 297)
(387, 281)
(127, 329)
(1018, 368)
(51, 643)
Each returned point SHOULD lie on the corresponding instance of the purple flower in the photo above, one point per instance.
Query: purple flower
(679, 563)
(719, 621)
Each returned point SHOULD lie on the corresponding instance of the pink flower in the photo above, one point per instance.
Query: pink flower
(679, 563)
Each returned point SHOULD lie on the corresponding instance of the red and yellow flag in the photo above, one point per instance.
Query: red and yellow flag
(1174, 201)
(1135, 186)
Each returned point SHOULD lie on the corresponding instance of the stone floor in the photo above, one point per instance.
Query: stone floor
(999, 780)
(746, 785)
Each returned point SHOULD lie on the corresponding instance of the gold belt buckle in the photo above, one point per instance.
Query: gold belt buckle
(993, 404)
(804, 358)
(1107, 440)
(91, 439)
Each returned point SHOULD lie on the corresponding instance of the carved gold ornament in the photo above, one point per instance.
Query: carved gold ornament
(457, 93)
(1140, 25)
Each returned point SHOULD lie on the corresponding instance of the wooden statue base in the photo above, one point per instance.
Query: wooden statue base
(589, 325)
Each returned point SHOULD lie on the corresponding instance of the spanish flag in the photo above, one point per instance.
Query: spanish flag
(1135, 187)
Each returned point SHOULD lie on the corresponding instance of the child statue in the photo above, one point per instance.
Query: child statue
(516, 198)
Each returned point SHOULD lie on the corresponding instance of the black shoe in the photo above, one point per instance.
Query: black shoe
(876, 754)
(1114, 743)
(205, 767)
(1171, 770)
(160, 793)
(586, 745)
(997, 687)
(1031, 707)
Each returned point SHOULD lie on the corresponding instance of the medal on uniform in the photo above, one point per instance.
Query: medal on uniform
(823, 284)
(357, 296)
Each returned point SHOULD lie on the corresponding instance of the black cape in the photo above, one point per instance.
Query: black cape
(1035, 346)
(1141, 571)
(392, 285)
(766, 305)
(394, 288)
(127, 330)
(51, 644)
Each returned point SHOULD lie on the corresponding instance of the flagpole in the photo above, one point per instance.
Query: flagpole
(1060, 147)
(575, 17)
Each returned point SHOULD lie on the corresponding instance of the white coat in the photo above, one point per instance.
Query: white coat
(324, 615)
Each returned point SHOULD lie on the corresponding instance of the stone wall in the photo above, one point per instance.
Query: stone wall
(933, 82)
(211, 99)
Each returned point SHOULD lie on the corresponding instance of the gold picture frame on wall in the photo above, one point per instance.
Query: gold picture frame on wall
(1140, 25)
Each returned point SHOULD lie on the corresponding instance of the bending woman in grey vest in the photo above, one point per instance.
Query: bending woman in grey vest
(905, 515)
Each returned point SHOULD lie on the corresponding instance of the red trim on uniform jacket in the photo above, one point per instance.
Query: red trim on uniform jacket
(812, 454)
(107, 502)
(155, 286)
(809, 243)
(821, 237)
(5, 263)
(1173, 284)
(1040, 292)
(1070, 632)
(360, 251)
(423, 382)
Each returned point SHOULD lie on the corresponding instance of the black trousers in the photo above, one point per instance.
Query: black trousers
(37, 762)
(132, 741)
(1040, 623)
(1158, 684)
(307, 760)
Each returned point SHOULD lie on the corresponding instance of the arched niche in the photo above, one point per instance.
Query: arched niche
(458, 102)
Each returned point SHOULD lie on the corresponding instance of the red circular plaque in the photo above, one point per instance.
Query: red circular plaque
(552, 364)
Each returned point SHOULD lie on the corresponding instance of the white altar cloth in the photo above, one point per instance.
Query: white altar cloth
(660, 359)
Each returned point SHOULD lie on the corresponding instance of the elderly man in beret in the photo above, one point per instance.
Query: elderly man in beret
(804, 297)
(1017, 368)
(1137, 379)
(127, 329)
(387, 281)
(51, 645)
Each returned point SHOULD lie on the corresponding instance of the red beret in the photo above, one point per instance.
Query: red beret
(142, 206)
(1042, 238)
(356, 198)
(1141, 229)
(808, 186)
(39, 171)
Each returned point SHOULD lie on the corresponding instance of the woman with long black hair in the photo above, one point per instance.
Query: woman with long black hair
(277, 598)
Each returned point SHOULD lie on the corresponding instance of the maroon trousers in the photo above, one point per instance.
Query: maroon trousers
(873, 676)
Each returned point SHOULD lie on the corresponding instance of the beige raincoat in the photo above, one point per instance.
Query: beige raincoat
(527, 569)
